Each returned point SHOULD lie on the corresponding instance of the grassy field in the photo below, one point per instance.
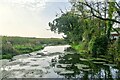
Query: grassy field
(12, 46)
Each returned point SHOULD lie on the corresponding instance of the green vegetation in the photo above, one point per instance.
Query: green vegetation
(70, 65)
(88, 27)
(12, 46)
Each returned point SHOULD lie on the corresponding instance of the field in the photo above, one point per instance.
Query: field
(12, 46)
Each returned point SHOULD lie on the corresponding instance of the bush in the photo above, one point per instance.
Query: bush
(8, 48)
(35, 48)
(7, 56)
(114, 51)
(98, 45)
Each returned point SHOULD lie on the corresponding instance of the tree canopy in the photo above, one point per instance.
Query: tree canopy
(89, 25)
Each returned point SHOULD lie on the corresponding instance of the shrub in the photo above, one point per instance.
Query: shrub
(114, 51)
(98, 45)
(7, 56)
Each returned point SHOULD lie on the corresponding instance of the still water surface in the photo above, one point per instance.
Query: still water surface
(57, 63)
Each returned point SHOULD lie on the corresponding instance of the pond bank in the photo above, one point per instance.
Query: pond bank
(12, 46)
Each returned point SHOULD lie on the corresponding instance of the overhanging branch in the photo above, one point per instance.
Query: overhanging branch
(106, 19)
(100, 17)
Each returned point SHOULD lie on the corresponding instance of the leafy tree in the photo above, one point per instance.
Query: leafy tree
(108, 12)
(69, 24)
(89, 23)
(104, 14)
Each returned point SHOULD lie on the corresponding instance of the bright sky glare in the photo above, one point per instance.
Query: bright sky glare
(29, 18)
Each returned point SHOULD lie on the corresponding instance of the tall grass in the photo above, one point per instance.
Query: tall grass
(12, 46)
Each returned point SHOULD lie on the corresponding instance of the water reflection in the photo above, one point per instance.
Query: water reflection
(74, 66)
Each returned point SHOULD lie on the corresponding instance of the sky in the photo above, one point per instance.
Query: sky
(29, 18)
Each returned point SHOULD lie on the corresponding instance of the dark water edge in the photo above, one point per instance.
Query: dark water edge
(73, 65)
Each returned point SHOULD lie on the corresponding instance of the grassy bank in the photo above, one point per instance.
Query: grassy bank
(12, 46)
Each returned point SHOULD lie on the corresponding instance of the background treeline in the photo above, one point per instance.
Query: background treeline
(12, 46)
(88, 27)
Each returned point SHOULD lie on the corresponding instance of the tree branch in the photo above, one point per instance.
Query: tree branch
(100, 17)
(116, 30)
(117, 4)
(106, 19)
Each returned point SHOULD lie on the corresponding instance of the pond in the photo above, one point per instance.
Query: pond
(56, 62)
(73, 66)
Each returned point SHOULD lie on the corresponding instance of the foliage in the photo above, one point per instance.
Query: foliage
(98, 45)
(7, 56)
(12, 46)
(27, 49)
(114, 51)
(69, 24)
(8, 48)
(88, 27)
